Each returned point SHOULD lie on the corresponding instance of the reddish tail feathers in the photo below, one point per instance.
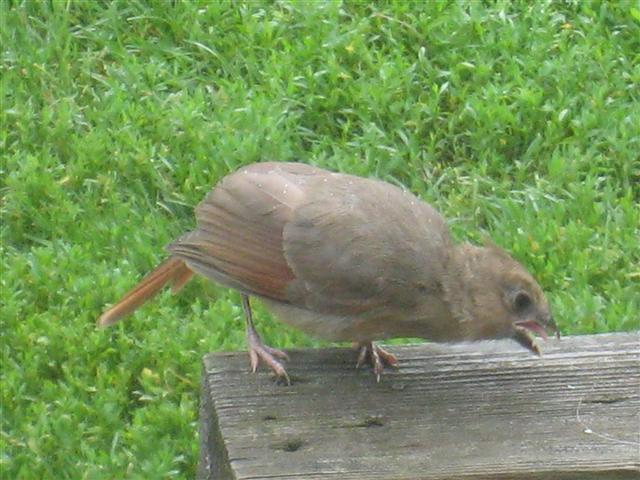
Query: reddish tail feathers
(172, 271)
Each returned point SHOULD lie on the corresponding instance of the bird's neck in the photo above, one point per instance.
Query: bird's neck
(458, 293)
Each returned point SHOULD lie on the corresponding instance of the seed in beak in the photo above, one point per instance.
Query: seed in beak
(533, 326)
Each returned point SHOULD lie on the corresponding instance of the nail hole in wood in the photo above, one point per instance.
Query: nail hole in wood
(372, 421)
(292, 445)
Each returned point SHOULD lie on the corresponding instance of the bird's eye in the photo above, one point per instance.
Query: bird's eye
(522, 301)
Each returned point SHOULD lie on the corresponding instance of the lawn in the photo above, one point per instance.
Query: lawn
(519, 121)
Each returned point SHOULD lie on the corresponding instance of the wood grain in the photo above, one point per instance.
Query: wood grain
(486, 410)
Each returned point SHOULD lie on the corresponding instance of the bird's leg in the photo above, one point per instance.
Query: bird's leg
(377, 357)
(258, 350)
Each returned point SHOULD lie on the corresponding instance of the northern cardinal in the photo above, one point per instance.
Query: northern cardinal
(346, 258)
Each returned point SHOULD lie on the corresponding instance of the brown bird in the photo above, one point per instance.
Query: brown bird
(346, 258)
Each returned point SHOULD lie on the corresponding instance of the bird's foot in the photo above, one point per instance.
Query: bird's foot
(259, 351)
(376, 356)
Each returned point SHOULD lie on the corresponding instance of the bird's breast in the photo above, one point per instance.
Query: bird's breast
(319, 325)
(436, 324)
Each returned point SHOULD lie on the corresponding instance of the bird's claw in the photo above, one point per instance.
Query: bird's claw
(377, 357)
(261, 352)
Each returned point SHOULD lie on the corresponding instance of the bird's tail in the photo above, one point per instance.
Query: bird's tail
(172, 270)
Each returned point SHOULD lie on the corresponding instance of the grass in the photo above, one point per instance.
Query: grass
(519, 120)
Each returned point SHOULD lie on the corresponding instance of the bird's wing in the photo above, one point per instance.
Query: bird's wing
(322, 241)
(238, 239)
(358, 245)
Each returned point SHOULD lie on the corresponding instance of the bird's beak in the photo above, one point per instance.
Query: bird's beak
(539, 324)
(523, 331)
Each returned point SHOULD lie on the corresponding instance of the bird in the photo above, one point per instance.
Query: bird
(346, 258)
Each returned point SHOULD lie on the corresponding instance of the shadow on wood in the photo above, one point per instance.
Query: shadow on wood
(486, 410)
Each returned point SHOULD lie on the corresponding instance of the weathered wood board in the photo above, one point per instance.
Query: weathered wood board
(486, 410)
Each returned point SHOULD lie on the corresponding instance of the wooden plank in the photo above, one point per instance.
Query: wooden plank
(486, 410)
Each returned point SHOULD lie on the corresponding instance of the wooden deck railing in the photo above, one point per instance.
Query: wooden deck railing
(486, 410)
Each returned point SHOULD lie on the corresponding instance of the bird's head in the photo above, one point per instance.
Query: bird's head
(502, 298)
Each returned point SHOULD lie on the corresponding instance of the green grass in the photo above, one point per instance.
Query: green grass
(520, 120)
